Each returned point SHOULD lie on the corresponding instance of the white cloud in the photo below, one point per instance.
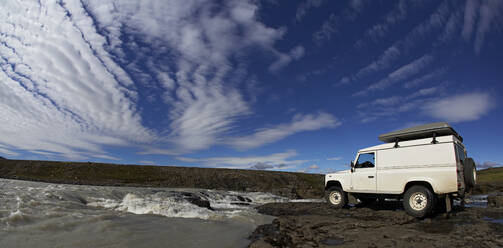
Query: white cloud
(313, 167)
(64, 91)
(459, 108)
(201, 39)
(278, 160)
(299, 123)
(334, 158)
(61, 92)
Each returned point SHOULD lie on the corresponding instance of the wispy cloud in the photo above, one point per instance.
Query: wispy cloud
(334, 22)
(299, 123)
(284, 59)
(459, 108)
(379, 30)
(304, 7)
(62, 92)
(391, 106)
(425, 78)
(435, 21)
(480, 18)
(276, 160)
(146, 162)
(334, 158)
(488, 164)
(6, 151)
(108, 157)
(71, 91)
(400, 74)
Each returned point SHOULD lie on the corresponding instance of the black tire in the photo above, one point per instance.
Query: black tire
(418, 201)
(470, 172)
(336, 197)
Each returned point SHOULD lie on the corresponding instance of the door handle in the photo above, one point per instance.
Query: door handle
(371, 176)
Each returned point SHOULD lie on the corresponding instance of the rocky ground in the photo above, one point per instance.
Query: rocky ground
(384, 225)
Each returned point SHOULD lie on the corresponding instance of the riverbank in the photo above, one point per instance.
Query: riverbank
(287, 184)
(317, 225)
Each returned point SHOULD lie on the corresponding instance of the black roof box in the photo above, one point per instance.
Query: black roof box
(420, 132)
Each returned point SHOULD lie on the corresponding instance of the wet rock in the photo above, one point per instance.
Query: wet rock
(203, 203)
(244, 199)
(495, 201)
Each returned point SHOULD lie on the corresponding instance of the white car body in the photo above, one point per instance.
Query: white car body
(413, 161)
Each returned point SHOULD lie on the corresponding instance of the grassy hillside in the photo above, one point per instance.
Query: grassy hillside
(489, 180)
(294, 185)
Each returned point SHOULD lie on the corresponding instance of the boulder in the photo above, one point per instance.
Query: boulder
(495, 201)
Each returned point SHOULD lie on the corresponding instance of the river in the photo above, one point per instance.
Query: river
(35, 214)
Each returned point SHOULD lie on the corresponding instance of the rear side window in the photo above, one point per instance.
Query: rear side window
(366, 160)
(460, 153)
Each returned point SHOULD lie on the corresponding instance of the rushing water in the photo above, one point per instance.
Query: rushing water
(34, 214)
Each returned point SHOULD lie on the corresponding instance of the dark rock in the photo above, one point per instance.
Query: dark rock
(203, 203)
(495, 200)
(244, 199)
(270, 234)
(318, 225)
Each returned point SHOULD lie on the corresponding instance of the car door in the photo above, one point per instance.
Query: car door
(363, 178)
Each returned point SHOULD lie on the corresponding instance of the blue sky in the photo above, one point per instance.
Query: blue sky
(277, 85)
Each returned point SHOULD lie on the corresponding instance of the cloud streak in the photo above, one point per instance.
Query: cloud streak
(298, 124)
(400, 74)
(276, 160)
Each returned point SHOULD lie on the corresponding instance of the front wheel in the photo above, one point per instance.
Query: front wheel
(336, 197)
(418, 201)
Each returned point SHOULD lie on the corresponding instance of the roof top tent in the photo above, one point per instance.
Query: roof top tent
(431, 130)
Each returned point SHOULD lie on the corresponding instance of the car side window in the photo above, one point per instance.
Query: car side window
(366, 160)
(461, 153)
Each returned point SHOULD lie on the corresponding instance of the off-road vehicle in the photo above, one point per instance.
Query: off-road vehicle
(424, 166)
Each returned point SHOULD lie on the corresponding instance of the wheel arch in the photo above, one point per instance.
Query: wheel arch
(333, 183)
(420, 182)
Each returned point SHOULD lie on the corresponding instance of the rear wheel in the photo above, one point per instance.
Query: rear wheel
(336, 197)
(418, 201)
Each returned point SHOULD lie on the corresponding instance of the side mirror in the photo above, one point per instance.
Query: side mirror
(352, 166)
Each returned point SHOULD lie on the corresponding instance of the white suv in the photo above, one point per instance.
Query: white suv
(423, 165)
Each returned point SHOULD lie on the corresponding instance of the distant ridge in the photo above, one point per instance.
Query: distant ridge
(2, 158)
(289, 184)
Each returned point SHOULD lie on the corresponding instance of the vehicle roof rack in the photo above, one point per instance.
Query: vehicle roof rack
(432, 130)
